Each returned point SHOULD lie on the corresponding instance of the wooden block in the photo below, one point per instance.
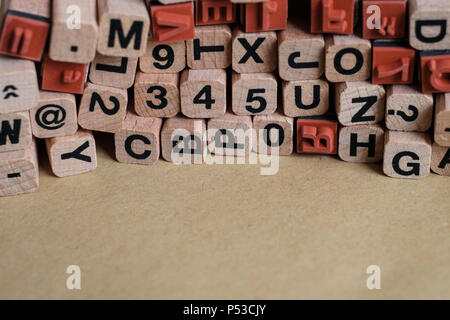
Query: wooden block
(435, 71)
(407, 109)
(203, 93)
(123, 28)
(392, 19)
(440, 160)
(117, 72)
(138, 140)
(210, 49)
(392, 62)
(230, 135)
(15, 131)
(25, 28)
(63, 76)
(247, 1)
(316, 135)
(254, 93)
(170, 1)
(103, 108)
(273, 134)
(183, 140)
(428, 23)
(172, 23)
(442, 120)
(332, 16)
(269, 15)
(19, 171)
(359, 103)
(163, 58)
(254, 52)
(72, 155)
(54, 116)
(407, 155)
(305, 98)
(363, 143)
(301, 55)
(347, 58)
(74, 31)
(157, 95)
(18, 85)
(213, 12)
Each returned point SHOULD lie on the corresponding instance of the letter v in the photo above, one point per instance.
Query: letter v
(175, 23)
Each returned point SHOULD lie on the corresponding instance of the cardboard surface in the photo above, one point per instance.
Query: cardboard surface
(175, 232)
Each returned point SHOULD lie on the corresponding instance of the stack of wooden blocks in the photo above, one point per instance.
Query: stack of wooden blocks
(144, 70)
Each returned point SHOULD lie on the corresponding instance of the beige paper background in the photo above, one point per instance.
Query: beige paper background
(178, 232)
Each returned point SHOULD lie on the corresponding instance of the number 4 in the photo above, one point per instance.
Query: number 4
(207, 101)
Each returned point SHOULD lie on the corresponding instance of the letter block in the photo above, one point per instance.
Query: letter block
(72, 155)
(273, 134)
(301, 55)
(123, 28)
(254, 93)
(203, 93)
(363, 143)
(392, 19)
(25, 29)
(392, 63)
(359, 103)
(63, 76)
(270, 15)
(332, 16)
(428, 24)
(316, 135)
(157, 95)
(19, 89)
(407, 155)
(347, 58)
(173, 22)
(117, 72)
(19, 171)
(254, 52)
(183, 140)
(442, 120)
(163, 58)
(435, 71)
(54, 116)
(15, 131)
(440, 160)
(407, 109)
(138, 140)
(210, 49)
(209, 12)
(230, 135)
(305, 98)
(103, 108)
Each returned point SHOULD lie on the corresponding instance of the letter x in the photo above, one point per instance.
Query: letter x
(251, 50)
(77, 153)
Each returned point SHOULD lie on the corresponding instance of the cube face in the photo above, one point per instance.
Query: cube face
(442, 120)
(15, 131)
(316, 136)
(392, 64)
(332, 16)
(63, 76)
(54, 116)
(163, 58)
(392, 19)
(212, 12)
(440, 160)
(364, 144)
(270, 15)
(24, 37)
(118, 72)
(174, 22)
(435, 70)
(305, 98)
(273, 135)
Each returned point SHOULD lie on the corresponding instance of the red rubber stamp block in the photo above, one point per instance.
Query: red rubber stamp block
(209, 12)
(393, 63)
(63, 76)
(392, 19)
(435, 71)
(270, 15)
(316, 135)
(173, 22)
(332, 16)
(24, 35)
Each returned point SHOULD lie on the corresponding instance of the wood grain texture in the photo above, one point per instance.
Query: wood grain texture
(15, 131)
(273, 134)
(306, 98)
(37, 7)
(363, 143)
(163, 58)
(440, 160)
(442, 120)
(117, 72)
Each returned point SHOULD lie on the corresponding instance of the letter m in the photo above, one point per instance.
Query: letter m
(7, 132)
(116, 28)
